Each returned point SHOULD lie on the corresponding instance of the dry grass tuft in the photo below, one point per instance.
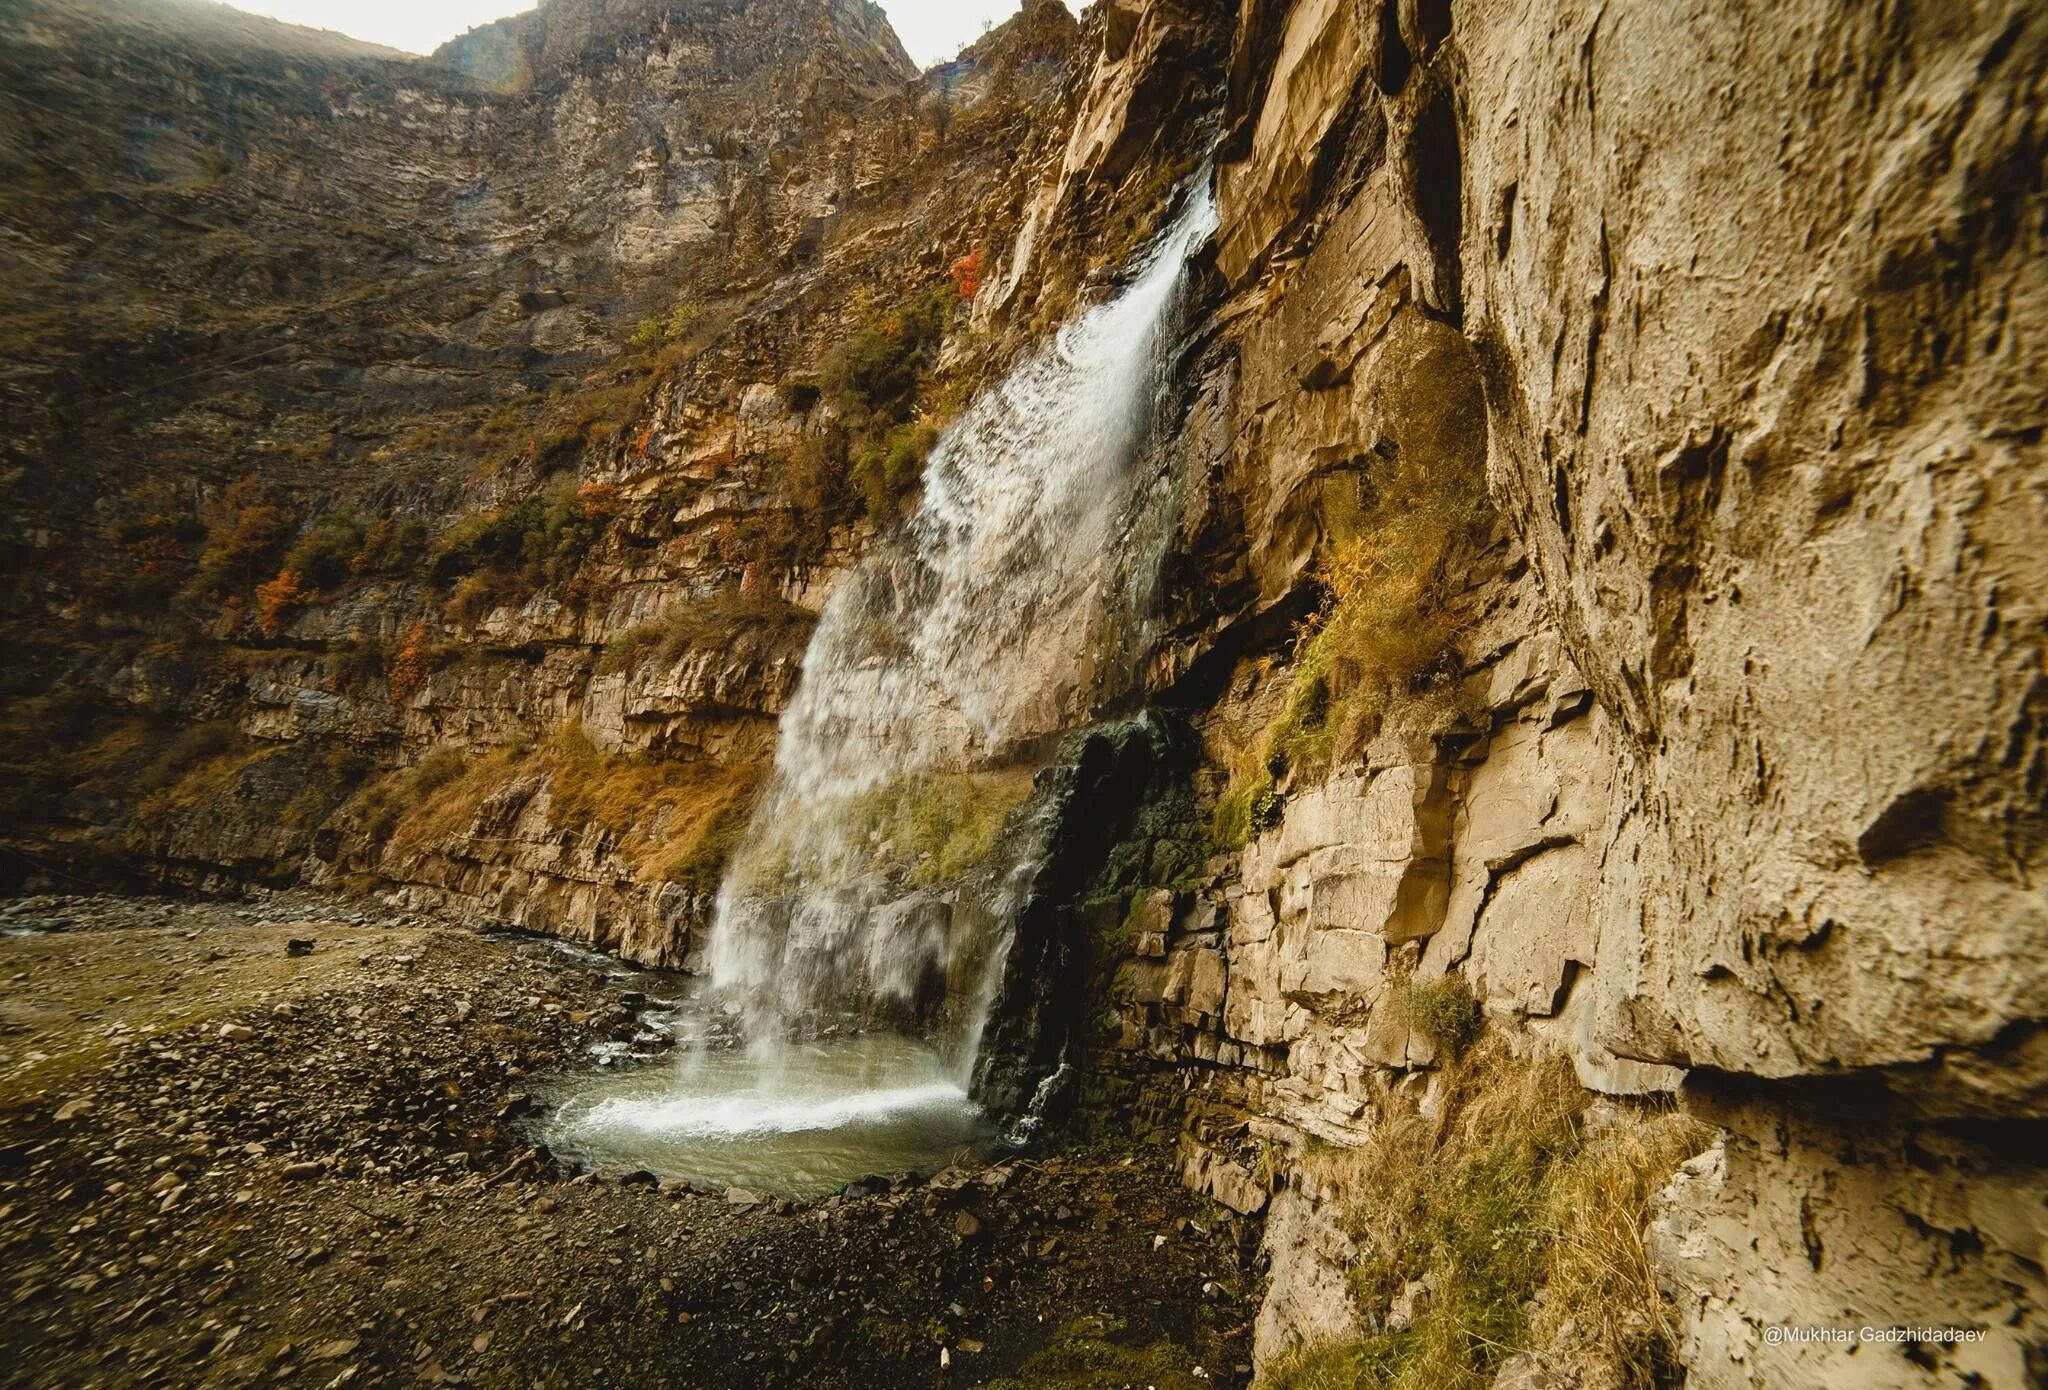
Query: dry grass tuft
(1385, 630)
(1505, 1196)
(1599, 1275)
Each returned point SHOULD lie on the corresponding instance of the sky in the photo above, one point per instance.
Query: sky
(932, 30)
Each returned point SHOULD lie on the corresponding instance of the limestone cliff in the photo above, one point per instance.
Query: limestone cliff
(361, 407)
(1727, 777)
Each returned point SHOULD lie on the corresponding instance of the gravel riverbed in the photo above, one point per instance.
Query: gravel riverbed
(291, 1142)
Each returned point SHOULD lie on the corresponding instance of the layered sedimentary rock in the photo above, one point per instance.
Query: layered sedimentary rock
(576, 272)
(1741, 792)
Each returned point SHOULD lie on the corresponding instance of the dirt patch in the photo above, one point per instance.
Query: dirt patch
(223, 1163)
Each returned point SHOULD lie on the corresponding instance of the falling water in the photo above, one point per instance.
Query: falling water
(870, 887)
(978, 629)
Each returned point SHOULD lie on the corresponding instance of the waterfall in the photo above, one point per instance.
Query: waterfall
(872, 879)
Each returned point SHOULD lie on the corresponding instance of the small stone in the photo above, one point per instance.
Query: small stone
(236, 1032)
(72, 1109)
(298, 1172)
(966, 1224)
(298, 947)
(743, 1197)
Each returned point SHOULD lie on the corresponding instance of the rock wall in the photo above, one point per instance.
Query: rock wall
(1739, 794)
(352, 268)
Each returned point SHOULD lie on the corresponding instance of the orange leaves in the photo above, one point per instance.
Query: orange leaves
(407, 669)
(967, 274)
(276, 600)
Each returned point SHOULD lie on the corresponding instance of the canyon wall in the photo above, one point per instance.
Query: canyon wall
(1737, 788)
(567, 285)
(1701, 335)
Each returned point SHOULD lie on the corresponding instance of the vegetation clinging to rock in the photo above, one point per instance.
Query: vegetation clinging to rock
(1383, 630)
(1508, 1201)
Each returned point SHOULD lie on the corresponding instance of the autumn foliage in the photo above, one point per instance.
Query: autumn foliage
(407, 669)
(967, 274)
(275, 601)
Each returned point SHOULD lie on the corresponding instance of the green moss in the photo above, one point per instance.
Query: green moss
(937, 827)
(1167, 846)
(889, 469)
(1250, 806)
(1092, 1352)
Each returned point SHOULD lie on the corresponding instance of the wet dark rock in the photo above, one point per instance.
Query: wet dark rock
(1029, 1067)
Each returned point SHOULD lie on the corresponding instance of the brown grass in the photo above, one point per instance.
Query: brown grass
(1504, 1196)
(670, 819)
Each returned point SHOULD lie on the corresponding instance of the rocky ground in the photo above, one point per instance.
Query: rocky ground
(285, 1143)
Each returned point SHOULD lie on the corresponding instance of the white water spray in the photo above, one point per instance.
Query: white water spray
(984, 625)
(870, 886)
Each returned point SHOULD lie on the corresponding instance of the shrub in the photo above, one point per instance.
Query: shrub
(966, 274)
(245, 540)
(325, 554)
(890, 468)
(476, 595)
(541, 540)
(873, 375)
(390, 546)
(681, 320)
(276, 600)
(1445, 1011)
(406, 669)
(152, 548)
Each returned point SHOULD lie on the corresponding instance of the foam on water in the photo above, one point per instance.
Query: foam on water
(805, 1121)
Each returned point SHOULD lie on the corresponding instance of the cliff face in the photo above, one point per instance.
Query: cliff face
(1605, 569)
(362, 407)
(1729, 774)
